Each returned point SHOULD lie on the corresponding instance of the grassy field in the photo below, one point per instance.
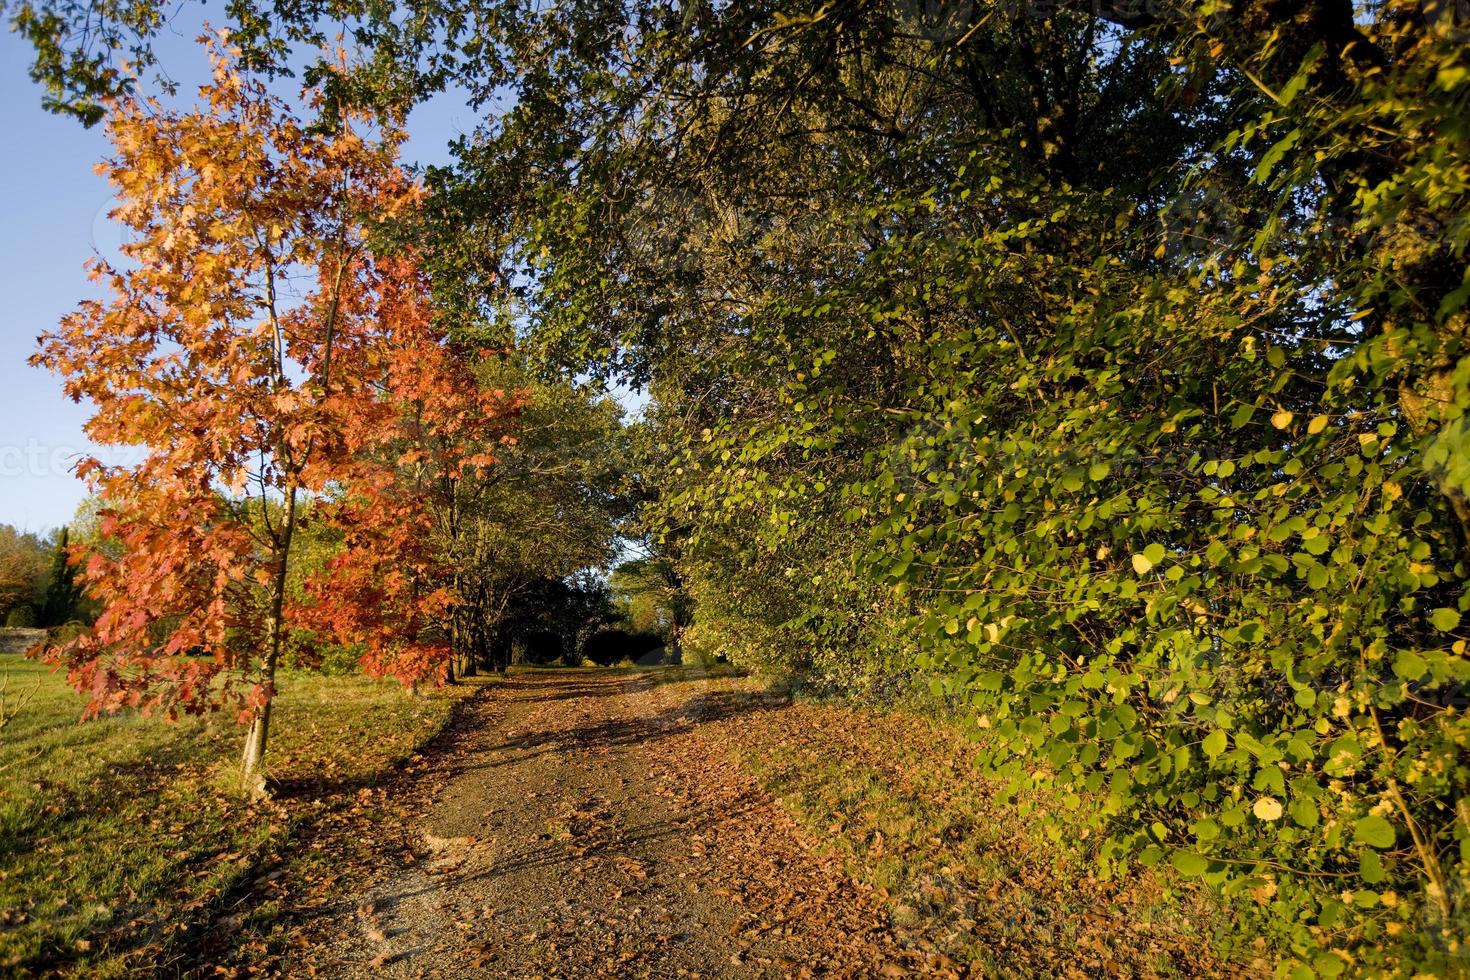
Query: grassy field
(123, 834)
(1009, 888)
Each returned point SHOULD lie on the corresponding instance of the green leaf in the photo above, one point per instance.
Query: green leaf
(1370, 867)
(1273, 156)
(1409, 666)
(1374, 831)
(1215, 743)
(1445, 619)
(1304, 812)
(1189, 863)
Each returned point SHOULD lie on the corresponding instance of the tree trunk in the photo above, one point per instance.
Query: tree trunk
(252, 776)
(456, 634)
(252, 779)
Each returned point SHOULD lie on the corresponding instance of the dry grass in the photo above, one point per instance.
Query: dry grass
(1009, 888)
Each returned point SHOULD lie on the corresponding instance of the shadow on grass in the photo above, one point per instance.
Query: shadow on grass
(118, 786)
(319, 787)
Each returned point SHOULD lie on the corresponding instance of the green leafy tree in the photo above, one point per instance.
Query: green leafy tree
(1052, 361)
(550, 620)
(21, 617)
(549, 510)
(653, 596)
(63, 594)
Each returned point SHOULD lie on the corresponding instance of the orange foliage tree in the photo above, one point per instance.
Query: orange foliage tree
(392, 589)
(250, 346)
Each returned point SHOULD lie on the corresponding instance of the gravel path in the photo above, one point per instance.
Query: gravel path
(588, 824)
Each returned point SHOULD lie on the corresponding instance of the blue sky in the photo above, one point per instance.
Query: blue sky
(55, 210)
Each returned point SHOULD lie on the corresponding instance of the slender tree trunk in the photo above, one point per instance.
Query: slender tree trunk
(252, 777)
(456, 620)
(467, 664)
(252, 781)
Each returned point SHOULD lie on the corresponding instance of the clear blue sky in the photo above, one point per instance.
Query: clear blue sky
(55, 217)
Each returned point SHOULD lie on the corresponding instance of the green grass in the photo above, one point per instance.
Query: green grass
(124, 832)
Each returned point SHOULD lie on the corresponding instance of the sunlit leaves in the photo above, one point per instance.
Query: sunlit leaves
(251, 347)
(1445, 620)
(1375, 831)
(1267, 808)
(1189, 863)
(1167, 514)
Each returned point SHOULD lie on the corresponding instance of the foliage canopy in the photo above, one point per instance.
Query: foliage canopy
(1101, 368)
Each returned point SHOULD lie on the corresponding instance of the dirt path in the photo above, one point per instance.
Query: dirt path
(582, 826)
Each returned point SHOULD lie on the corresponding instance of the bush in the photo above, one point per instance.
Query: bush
(539, 649)
(21, 618)
(66, 632)
(613, 646)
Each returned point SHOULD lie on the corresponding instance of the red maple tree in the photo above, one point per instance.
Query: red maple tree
(262, 356)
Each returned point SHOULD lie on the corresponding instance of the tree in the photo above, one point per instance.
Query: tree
(242, 346)
(549, 510)
(22, 568)
(394, 588)
(1101, 372)
(62, 592)
(551, 619)
(654, 599)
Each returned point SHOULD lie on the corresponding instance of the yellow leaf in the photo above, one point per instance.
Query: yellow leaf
(1317, 424)
(1282, 419)
(1267, 808)
(1141, 564)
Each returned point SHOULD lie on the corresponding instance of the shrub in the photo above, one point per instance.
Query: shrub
(615, 646)
(21, 618)
(66, 632)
